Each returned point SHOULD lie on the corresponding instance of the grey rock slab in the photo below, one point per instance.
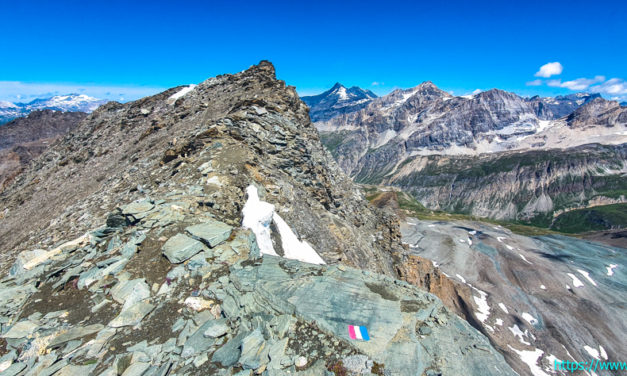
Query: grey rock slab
(254, 351)
(23, 258)
(198, 342)
(229, 353)
(277, 353)
(130, 292)
(211, 233)
(13, 369)
(135, 208)
(216, 328)
(21, 329)
(136, 369)
(72, 370)
(181, 247)
(132, 316)
(75, 333)
(334, 299)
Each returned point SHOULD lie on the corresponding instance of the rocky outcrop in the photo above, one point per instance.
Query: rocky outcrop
(337, 100)
(174, 202)
(221, 311)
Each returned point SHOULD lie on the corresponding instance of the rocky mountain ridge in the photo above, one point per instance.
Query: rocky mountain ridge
(164, 182)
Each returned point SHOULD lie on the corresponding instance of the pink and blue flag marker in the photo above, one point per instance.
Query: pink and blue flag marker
(358, 332)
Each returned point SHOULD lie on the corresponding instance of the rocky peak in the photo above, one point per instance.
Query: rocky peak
(337, 100)
(598, 111)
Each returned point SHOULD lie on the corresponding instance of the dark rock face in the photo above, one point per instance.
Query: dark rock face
(337, 100)
(163, 274)
(24, 139)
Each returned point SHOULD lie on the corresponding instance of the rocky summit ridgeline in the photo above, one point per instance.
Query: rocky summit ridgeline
(142, 242)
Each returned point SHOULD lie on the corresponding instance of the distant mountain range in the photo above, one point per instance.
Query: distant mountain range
(491, 154)
(63, 103)
(337, 100)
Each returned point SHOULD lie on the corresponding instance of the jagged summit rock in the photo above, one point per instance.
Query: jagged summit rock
(144, 265)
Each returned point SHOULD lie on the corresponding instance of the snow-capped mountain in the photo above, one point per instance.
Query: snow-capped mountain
(337, 100)
(63, 103)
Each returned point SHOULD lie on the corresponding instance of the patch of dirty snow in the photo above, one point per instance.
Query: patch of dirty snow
(530, 319)
(519, 334)
(610, 269)
(503, 308)
(576, 281)
(530, 358)
(587, 275)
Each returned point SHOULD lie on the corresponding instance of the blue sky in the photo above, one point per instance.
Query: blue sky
(118, 49)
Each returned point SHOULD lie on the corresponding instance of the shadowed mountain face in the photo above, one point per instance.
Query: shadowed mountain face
(337, 100)
(167, 235)
(24, 139)
(492, 154)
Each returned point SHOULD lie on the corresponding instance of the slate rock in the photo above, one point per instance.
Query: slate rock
(229, 353)
(74, 333)
(180, 248)
(211, 233)
(132, 316)
(21, 329)
(254, 351)
(216, 328)
(23, 258)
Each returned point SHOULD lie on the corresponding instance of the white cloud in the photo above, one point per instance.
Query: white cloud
(476, 91)
(613, 86)
(550, 69)
(17, 91)
(578, 84)
(537, 82)
(377, 83)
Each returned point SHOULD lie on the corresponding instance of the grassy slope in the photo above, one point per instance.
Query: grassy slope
(592, 219)
(413, 208)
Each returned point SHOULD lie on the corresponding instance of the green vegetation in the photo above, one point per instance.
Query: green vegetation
(597, 218)
(413, 208)
(333, 140)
